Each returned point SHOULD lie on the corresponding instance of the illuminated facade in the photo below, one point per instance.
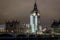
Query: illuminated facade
(34, 19)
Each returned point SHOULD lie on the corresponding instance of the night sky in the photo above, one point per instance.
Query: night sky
(21, 10)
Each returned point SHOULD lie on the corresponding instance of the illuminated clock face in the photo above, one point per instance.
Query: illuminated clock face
(38, 14)
(34, 14)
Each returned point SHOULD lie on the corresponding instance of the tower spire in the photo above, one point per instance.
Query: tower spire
(35, 7)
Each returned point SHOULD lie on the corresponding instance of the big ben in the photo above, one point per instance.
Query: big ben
(34, 19)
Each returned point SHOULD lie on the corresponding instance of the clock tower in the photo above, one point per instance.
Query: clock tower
(34, 19)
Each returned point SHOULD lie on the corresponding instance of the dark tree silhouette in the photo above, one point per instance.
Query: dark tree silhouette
(55, 23)
(11, 25)
(59, 22)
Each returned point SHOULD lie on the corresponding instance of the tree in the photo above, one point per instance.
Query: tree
(55, 26)
(11, 25)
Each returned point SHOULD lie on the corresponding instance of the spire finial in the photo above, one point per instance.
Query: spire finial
(35, 7)
(35, 1)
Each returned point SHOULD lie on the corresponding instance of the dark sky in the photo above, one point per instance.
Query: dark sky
(21, 9)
